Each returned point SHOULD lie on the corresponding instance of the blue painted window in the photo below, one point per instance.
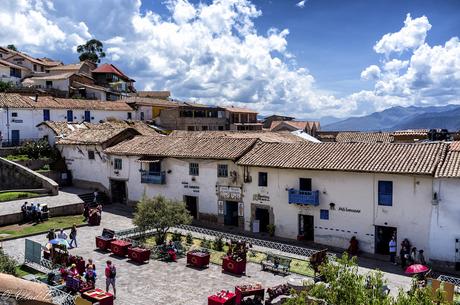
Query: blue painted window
(324, 214)
(46, 115)
(385, 193)
(69, 116)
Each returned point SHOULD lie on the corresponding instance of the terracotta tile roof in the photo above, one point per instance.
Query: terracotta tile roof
(355, 157)
(365, 137)
(264, 136)
(62, 128)
(9, 64)
(147, 101)
(109, 68)
(154, 94)
(450, 168)
(57, 76)
(141, 127)
(296, 124)
(240, 110)
(176, 147)
(95, 87)
(13, 100)
(411, 132)
(73, 67)
(41, 61)
(93, 136)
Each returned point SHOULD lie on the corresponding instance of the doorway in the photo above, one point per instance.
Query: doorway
(15, 137)
(231, 213)
(263, 216)
(191, 203)
(306, 227)
(118, 191)
(383, 236)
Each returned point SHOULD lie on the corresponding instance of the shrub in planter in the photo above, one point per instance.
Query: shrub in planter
(189, 238)
(218, 243)
(176, 236)
(205, 243)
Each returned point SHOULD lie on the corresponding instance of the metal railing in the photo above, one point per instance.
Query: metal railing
(450, 279)
(303, 197)
(153, 178)
(59, 297)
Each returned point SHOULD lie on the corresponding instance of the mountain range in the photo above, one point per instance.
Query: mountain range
(398, 118)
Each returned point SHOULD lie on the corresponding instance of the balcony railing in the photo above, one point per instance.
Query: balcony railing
(304, 197)
(153, 177)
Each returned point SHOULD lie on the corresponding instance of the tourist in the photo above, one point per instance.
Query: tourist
(95, 196)
(51, 235)
(405, 256)
(73, 272)
(413, 256)
(90, 275)
(392, 250)
(62, 234)
(24, 212)
(353, 248)
(38, 213)
(406, 243)
(86, 211)
(90, 264)
(421, 258)
(73, 236)
(33, 210)
(110, 275)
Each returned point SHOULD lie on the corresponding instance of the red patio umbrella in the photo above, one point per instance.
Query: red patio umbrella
(416, 269)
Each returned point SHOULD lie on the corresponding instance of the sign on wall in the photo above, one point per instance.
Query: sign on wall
(259, 197)
(230, 193)
(344, 209)
(220, 207)
(241, 209)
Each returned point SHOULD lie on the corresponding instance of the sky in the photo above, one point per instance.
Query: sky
(308, 59)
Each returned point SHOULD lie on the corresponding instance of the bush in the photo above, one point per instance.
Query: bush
(176, 236)
(37, 149)
(17, 158)
(219, 244)
(7, 264)
(189, 238)
(206, 243)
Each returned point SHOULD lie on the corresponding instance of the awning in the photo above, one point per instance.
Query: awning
(148, 160)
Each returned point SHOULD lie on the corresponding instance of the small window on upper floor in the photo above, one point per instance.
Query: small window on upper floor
(222, 170)
(263, 179)
(14, 114)
(385, 190)
(91, 154)
(324, 214)
(130, 116)
(194, 169)
(35, 67)
(118, 164)
(142, 116)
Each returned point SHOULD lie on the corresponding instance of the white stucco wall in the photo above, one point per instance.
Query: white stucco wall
(147, 110)
(445, 221)
(59, 84)
(410, 213)
(28, 119)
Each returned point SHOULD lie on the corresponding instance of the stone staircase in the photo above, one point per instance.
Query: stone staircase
(89, 198)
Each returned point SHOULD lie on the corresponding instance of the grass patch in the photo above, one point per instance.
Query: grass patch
(18, 157)
(17, 231)
(8, 196)
(23, 270)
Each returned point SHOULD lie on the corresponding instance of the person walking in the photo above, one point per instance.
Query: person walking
(62, 234)
(73, 236)
(110, 275)
(392, 250)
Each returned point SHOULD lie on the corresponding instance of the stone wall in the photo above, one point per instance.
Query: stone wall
(14, 176)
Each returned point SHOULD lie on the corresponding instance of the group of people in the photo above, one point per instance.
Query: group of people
(63, 235)
(408, 255)
(33, 212)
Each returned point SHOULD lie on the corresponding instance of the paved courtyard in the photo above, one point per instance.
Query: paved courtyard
(160, 282)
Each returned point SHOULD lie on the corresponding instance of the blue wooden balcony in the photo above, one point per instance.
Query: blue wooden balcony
(153, 177)
(304, 197)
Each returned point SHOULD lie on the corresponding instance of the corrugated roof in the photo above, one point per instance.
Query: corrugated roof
(265, 136)
(450, 168)
(365, 137)
(199, 148)
(356, 157)
(13, 100)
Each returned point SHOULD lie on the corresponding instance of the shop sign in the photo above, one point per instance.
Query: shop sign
(241, 209)
(230, 193)
(220, 207)
(259, 197)
(344, 209)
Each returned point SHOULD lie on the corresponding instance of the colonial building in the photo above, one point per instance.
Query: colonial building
(20, 114)
(148, 108)
(242, 119)
(32, 64)
(11, 73)
(267, 123)
(107, 75)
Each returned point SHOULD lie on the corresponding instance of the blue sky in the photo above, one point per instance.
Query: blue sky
(329, 57)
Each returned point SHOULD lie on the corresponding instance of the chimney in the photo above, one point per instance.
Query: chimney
(36, 97)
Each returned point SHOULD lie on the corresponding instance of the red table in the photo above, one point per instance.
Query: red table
(198, 259)
(120, 247)
(223, 297)
(103, 243)
(139, 255)
(232, 266)
(98, 295)
(242, 293)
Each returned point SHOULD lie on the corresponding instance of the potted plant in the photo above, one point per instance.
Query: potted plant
(271, 229)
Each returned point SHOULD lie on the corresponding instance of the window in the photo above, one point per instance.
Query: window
(49, 84)
(305, 184)
(87, 116)
(14, 114)
(35, 67)
(191, 128)
(129, 116)
(46, 114)
(142, 116)
(221, 127)
(118, 164)
(42, 69)
(385, 193)
(15, 72)
(263, 179)
(194, 169)
(222, 170)
(69, 116)
(324, 214)
(204, 128)
(91, 154)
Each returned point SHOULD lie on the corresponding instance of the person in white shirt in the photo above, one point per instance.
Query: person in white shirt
(62, 234)
(392, 248)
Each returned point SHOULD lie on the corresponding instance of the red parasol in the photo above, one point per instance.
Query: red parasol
(416, 268)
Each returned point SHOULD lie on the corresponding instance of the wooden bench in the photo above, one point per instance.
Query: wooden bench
(276, 263)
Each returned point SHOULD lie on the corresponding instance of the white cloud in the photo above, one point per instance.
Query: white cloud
(411, 36)
(370, 73)
(301, 4)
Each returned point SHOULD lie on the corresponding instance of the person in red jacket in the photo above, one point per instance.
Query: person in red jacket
(110, 275)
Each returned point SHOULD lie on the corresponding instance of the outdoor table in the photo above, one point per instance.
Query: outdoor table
(249, 290)
(223, 297)
(103, 243)
(232, 266)
(139, 255)
(198, 259)
(98, 295)
(120, 247)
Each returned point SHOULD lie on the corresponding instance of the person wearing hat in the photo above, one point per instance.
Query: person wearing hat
(73, 272)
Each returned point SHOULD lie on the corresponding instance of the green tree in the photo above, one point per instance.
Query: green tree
(5, 86)
(7, 264)
(92, 50)
(161, 214)
(12, 47)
